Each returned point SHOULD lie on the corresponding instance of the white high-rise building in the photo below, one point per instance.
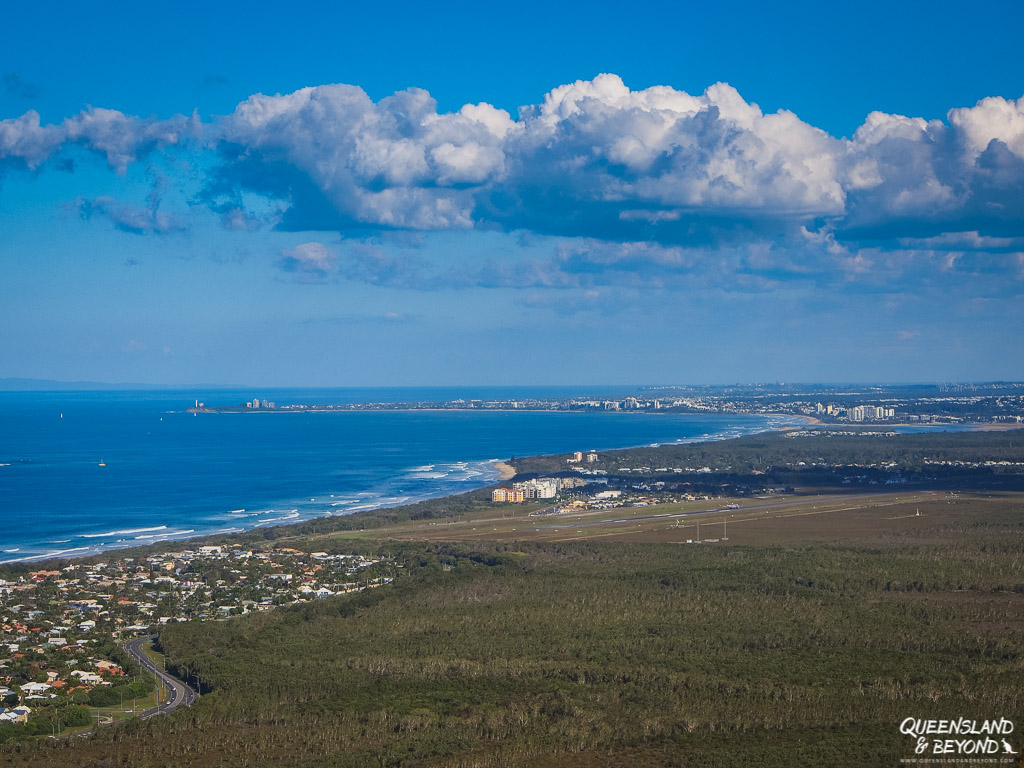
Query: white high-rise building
(540, 488)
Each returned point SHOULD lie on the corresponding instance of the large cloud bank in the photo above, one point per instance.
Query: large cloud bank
(593, 160)
(596, 159)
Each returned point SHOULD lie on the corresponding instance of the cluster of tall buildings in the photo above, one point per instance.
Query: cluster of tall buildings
(869, 413)
(538, 488)
(857, 413)
(543, 488)
(628, 404)
(257, 403)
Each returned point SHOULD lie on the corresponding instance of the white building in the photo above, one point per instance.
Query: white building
(869, 413)
(541, 488)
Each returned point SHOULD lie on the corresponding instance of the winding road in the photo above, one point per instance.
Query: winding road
(181, 694)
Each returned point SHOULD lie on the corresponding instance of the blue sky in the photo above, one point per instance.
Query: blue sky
(531, 193)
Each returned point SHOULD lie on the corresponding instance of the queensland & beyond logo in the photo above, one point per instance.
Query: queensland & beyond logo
(960, 737)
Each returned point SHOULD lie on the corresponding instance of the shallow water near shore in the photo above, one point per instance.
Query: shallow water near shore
(82, 472)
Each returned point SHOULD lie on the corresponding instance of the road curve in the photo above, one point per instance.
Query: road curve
(180, 693)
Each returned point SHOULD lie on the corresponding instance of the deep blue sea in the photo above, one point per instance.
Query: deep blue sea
(170, 475)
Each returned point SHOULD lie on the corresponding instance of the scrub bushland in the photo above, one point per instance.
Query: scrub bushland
(602, 654)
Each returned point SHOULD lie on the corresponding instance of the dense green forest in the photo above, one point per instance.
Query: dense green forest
(827, 447)
(603, 654)
(827, 458)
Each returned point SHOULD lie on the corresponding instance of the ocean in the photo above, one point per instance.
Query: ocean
(83, 472)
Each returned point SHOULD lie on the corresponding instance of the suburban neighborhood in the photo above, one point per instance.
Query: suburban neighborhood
(61, 630)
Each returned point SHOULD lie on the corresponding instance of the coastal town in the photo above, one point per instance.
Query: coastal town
(998, 403)
(585, 487)
(62, 629)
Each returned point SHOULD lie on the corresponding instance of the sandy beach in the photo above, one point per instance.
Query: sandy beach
(507, 470)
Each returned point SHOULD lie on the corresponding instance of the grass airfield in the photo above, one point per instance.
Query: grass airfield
(804, 518)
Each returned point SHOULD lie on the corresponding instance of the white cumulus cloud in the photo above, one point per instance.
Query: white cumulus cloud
(122, 139)
(310, 259)
(24, 140)
(394, 163)
(592, 160)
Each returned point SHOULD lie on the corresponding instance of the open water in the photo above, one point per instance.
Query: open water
(170, 475)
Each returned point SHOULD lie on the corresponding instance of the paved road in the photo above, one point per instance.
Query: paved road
(180, 693)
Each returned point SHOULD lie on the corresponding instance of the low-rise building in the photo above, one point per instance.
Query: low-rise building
(507, 496)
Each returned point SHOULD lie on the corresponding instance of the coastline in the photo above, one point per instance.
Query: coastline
(505, 471)
(502, 472)
(496, 471)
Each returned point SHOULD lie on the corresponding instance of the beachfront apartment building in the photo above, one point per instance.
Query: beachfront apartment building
(543, 488)
(869, 413)
(508, 496)
(536, 488)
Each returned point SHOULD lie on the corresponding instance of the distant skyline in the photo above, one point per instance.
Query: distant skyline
(450, 194)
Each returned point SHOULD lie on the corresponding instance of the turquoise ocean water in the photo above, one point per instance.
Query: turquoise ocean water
(169, 475)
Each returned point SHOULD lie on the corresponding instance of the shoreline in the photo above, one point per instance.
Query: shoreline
(504, 471)
(317, 409)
